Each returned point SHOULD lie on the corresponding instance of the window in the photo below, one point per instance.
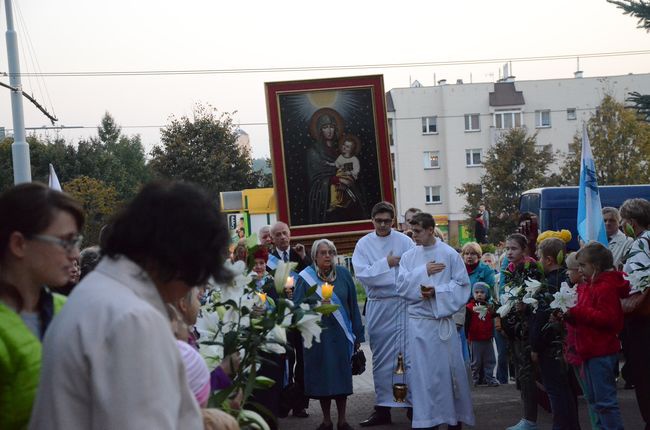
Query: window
(571, 114)
(432, 195)
(429, 125)
(510, 119)
(473, 157)
(471, 122)
(432, 159)
(542, 118)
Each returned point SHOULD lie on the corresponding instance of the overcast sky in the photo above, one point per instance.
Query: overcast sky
(127, 35)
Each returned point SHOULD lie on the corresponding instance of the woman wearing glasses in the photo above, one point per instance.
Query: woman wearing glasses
(39, 243)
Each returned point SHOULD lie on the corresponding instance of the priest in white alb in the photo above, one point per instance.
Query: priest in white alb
(376, 262)
(434, 282)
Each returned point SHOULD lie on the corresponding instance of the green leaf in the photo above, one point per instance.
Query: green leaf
(311, 291)
(326, 309)
(270, 301)
(263, 382)
(629, 231)
(560, 258)
(219, 397)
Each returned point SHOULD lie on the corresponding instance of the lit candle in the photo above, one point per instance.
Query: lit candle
(289, 283)
(327, 290)
(262, 297)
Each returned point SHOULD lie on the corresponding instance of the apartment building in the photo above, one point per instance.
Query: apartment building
(440, 134)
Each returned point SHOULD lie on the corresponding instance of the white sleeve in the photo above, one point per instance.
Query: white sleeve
(410, 279)
(453, 295)
(356, 167)
(371, 273)
(142, 377)
(640, 257)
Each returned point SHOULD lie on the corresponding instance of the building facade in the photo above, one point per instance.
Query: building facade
(440, 134)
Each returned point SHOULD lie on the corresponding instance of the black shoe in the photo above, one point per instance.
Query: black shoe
(376, 419)
(345, 426)
(300, 413)
(324, 426)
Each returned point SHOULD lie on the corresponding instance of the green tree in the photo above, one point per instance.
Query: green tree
(641, 10)
(99, 200)
(202, 149)
(513, 165)
(620, 143)
(637, 8)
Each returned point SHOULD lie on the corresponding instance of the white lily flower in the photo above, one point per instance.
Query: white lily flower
(309, 328)
(286, 320)
(481, 310)
(530, 301)
(276, 339)
(304, 306)
(207, 325)
(532, 286)
(281, 274)
(564, 299)
(505, 308)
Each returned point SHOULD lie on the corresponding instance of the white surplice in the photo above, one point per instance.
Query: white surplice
(385, 310)
(438, 382)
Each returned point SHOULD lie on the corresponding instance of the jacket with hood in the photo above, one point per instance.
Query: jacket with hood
(598, 315)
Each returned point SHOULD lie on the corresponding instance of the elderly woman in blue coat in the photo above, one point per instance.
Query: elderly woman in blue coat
(328, 371)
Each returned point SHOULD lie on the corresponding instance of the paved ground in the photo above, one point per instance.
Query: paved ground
(495, 408)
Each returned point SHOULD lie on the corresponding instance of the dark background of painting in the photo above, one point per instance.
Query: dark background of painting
(296, 139)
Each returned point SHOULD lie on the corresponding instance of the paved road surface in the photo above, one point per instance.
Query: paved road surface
(495, 408)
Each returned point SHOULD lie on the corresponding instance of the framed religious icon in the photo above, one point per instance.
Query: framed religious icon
(330, 153)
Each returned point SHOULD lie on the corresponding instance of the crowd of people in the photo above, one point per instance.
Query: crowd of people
(105, 337)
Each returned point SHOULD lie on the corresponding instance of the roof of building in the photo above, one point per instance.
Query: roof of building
(505, 94)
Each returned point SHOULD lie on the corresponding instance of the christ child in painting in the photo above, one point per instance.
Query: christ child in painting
(347, 165)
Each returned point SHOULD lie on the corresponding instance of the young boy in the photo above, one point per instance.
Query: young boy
(479, 325)
(598, 318)
(546, 340)
(347, 164)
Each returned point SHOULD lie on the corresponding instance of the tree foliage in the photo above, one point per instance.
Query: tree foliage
(637, 8)
(513, 165)
(99, 202)
(620, 143)
(203, 149)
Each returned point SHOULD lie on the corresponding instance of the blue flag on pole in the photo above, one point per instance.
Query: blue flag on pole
(590, 217)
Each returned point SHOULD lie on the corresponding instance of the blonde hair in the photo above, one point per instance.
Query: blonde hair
(473, 246)
(215, 419)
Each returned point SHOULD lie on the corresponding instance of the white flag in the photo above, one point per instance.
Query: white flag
(53, 181)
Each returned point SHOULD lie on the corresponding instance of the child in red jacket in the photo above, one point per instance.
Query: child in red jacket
(598, 318)
(479, 324)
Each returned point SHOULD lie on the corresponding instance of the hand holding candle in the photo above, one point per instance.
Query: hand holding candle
(327, 290)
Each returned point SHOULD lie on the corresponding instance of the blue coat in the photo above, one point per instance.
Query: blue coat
(328, 371)
(482, 273)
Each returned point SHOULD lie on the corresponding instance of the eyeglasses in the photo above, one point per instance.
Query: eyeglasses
(385, 221)
(68, 245)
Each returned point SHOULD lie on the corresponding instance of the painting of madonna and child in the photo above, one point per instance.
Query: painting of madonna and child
(330, 153)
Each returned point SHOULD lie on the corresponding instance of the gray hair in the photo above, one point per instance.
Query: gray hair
(263, 229)
(613, 211)
(318, 243)
(88, 259)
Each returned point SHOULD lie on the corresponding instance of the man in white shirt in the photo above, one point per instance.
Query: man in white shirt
(376, 262)
(110, 360)
(434, 281)
(618, 242)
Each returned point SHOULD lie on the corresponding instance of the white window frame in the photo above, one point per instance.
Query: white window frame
(513, 115)
(468, 122)
(471, 153)
(539, 118)
(427, 160)
(429, 195)
(427, 123)
(571, 114)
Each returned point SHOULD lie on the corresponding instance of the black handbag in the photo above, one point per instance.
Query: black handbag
(358, 361)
